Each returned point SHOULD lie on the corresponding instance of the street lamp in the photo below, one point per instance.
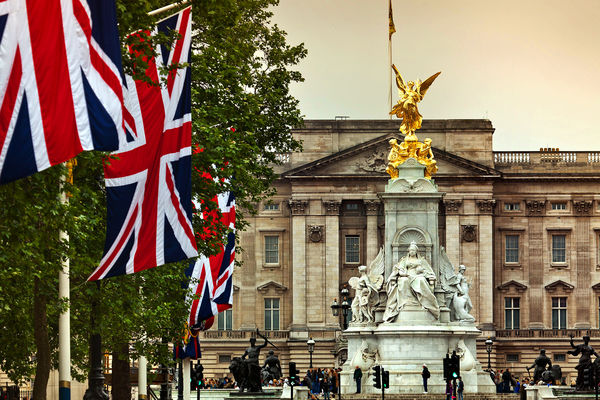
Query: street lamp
(345, 306)
(311, 347)
(488, 347)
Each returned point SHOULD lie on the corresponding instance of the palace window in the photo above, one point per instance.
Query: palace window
(559, 313)
(271, 314)
(512, 312)
(272, 207)
(559, 248)
(512, 206)
(559, 205)
(559, 357)
(224, 358)
(271, 249)
(352, 249)
(511, 249)
(225, 320)
(512, 357)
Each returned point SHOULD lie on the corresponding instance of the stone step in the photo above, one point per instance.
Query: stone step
(431, 396)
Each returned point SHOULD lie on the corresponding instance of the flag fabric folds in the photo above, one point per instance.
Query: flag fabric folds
(148, 187)
(60, 83)
(189, 347)
(211, 278)
(391, 20)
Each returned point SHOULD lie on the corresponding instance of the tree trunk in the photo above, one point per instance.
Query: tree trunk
(121, 384)
(42, 344)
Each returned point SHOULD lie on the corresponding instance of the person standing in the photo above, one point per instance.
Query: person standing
(425, 374)
(357, 378)
(460, 388)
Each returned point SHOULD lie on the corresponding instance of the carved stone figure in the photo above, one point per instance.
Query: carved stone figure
(271, 369)
(367, 288)
(410, 283)
(467, 361)
(366, 356)
(585, 361)
(540, 364)
(456, 288)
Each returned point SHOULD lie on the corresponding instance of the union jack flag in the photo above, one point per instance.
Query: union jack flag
(148, 187)
(211, 278)
(60, 83)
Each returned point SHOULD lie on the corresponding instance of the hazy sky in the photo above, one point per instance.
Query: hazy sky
(530, 66)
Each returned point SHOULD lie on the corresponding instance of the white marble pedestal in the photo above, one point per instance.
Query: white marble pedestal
(403, 348)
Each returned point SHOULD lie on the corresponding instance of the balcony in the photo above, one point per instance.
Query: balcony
(546, 333)
(553, 159)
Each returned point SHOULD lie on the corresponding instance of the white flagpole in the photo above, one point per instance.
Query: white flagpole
(186, 378)
(142, 378)
(167, 8)
(64, 319)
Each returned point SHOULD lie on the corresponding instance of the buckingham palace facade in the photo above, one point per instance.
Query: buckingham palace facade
(526, 224)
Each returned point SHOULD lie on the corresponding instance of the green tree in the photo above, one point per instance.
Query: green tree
(241, 73)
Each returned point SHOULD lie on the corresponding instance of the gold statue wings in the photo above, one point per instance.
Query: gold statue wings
(419, 87)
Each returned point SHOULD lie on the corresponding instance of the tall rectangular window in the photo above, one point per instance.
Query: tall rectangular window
(225, 320)
(512, 310)
(271, 314)
(511, 246)
(271, 249)
(352, 248)
(559, 248)
(559, 313)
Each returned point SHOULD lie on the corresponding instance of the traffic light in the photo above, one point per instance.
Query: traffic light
(385, 379)
(198, 369)
(447, 367)
(193, 379)
(455, 366)
(294, 373)
(377, 376)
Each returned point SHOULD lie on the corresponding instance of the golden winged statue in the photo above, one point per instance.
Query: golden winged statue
(410, 93)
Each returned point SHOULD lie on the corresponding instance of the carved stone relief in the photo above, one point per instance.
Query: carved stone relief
(535, 207)
(298, 207)
(469, 233)
(315, 233)
(452, 206)
(582, 207)
(376, 162)
(486, 206)
(332, 207)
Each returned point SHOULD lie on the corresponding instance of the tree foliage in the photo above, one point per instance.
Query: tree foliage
(242, 114)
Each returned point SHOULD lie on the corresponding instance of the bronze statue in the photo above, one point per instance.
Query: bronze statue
(410, 93)
(540, 364)
(250, 358)
(271, 369)
(585, 361)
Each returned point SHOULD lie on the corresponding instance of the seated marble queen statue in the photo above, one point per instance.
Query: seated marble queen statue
(410, 283)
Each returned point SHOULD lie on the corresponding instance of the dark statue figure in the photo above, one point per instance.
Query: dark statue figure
(585, 361)
(271, 368)
(246, 370)
(540, 364)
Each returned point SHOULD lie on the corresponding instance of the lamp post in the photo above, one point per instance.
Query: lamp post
(345, 306)
(311, 347)
(488, 347)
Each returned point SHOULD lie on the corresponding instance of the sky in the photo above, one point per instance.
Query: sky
(532, 67)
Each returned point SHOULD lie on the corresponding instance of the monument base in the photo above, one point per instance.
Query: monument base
(402, 349)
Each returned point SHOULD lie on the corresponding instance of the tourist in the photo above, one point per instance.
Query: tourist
(426, 375)
(460, 388)
(357, 378)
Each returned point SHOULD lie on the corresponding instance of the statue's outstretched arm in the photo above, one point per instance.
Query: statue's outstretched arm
(264, 344)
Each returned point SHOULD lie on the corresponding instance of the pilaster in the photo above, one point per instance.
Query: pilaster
(486, 264)
(372, 210)
(332, 258)
(536, 266)
(298, 240)
(453, 207)
(583, 297)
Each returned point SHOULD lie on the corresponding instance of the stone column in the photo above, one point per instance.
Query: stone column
(372, 209)
(486, 264)
(583, 264)
(298, 249)
(453, 230)
(332, 258)
(535, 211)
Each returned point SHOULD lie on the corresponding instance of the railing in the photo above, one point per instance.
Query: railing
(546, 333)
(534, 157)
(244, 334)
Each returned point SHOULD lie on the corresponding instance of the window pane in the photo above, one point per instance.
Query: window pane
(555, 302)
(220, 322)
(512, 248)
(229, 320)
(508, 319)
(507, 302)
(516, 301)
(558, 248)
(271, 249)
(275, 320)
(267, 303)
(267, 320)
(516, 320)
(563, 319)
(563, 301)
(554, 319)
(275, 303)
(352, 249)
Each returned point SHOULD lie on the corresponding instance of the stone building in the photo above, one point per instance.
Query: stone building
(526, 225)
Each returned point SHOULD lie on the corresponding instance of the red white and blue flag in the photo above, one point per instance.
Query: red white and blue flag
(60, 83)
(148, 187)
(211, 278)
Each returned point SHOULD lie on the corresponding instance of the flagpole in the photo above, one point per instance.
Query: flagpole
(64, 319)
(142, 378)
(167, 8)
(392, 30)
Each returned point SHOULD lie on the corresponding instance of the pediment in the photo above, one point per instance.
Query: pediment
(519, 287)
(559, 284)
(271, 285)
(596, 287)
(369, 159)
